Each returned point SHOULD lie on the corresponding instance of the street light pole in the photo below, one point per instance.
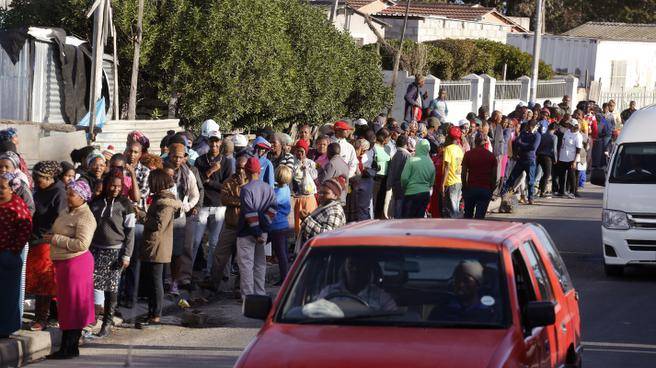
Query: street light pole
(397, 59)
(537, 44)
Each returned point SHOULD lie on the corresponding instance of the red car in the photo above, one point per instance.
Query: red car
(421, 293)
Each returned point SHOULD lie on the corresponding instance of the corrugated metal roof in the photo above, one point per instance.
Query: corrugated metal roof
(614, 31)
(453, 11)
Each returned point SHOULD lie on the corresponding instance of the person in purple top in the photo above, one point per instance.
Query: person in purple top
(258, 210)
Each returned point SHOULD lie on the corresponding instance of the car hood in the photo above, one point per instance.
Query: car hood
(630, 198)
(285, 345)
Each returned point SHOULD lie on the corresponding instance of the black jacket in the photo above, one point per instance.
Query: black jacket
(48, 203)
(116, 220)
(213, 184)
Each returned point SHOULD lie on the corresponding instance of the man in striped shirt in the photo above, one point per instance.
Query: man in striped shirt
(258, 208)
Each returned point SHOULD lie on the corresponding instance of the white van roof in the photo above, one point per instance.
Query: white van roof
(641, 127)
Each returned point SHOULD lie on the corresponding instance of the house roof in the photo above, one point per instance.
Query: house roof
(614, 31)
(451, 11)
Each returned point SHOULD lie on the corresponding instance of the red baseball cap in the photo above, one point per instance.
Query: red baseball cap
(342, 125)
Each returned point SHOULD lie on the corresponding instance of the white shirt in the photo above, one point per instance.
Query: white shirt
(571, 141)
(347, 152)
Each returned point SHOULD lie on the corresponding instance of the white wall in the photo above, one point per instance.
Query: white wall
(437, 28)
(355, 25)
(567, 55)
(639, 57)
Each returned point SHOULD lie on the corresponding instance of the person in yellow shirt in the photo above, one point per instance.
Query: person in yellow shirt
(451, 176)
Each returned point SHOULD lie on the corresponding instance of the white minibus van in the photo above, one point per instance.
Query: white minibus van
(628, 228)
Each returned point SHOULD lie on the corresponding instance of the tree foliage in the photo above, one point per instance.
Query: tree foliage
(245, 63)
(453, 59)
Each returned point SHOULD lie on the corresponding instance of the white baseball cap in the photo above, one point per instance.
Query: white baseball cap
(360, 122)
(240, 140)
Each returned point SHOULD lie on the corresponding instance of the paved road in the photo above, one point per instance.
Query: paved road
(618, 314)
(619, 323)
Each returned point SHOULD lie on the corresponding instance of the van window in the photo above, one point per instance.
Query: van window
(538, 270)
(559, 268)
(635, 163)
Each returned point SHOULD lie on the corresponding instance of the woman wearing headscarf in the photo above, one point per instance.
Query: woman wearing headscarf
(96, 165)
(10, 163)
(9, 142)
(112, 242)
(70, 240)
(330, 214)
(304, 189)
(49, 200)
(15, 231)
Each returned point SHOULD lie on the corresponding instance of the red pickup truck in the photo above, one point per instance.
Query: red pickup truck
(421, 293)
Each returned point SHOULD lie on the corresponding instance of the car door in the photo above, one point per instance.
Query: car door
(568, 325)
(536, 340)
(546, 291)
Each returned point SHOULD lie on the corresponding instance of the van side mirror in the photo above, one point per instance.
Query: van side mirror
(539, 314)
(598, 176)
(256, 306)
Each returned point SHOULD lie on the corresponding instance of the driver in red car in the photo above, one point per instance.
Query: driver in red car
(358, 283)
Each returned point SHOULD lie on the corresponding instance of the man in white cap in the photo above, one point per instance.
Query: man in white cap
(208, 129)
(568, 157)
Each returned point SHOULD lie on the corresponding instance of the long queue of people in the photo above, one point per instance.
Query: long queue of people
(81, 237)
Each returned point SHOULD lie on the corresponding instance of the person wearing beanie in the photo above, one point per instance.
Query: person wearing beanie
(258, 210)
(330, 214)
(335, 167)
(451, 187)
(304, 189)
(188, 188)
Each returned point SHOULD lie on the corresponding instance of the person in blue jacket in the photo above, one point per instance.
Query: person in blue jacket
(261, 147)
(279, 229)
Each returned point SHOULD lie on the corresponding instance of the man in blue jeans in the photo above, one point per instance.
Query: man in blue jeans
(479, 177)
(525, 147)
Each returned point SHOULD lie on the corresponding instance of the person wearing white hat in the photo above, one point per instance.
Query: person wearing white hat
(568, 157)
(208, 129)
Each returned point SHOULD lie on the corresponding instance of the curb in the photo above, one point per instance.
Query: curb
(25, 347)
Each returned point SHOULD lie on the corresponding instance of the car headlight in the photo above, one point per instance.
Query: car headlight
(615, 220)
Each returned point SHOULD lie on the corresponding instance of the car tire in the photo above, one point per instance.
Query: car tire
(613, 270)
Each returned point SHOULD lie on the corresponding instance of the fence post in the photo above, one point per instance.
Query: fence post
(489, 89)
(432, 86)
(525, 91)
(571, 88)
(476, 91)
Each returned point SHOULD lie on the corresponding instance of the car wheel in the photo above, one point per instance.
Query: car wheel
(613, 270)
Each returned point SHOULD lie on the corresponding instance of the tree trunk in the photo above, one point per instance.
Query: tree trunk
(132, 103)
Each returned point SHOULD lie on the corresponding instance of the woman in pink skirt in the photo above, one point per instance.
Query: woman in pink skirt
(70, 240)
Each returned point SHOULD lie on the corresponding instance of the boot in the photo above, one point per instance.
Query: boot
(41, 309)
(64, 347)
(74, 344)
(108, 317)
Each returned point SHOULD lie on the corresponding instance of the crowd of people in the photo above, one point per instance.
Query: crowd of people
(80, 238)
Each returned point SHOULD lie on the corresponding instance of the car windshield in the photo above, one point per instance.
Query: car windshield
(398, 286)
(635, 163)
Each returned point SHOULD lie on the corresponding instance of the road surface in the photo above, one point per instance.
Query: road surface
(618, 318)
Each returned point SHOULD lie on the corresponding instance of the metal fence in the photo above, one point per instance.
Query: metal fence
(643, 96)
(459, 90)
(508, 90)
(551, 88)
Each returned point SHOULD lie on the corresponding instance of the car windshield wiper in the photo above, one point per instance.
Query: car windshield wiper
(357, 317)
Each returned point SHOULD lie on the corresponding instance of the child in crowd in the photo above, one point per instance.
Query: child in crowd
(279, 228)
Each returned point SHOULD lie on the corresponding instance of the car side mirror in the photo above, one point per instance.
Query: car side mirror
(539, 314)
(257, 306)
(598, 176)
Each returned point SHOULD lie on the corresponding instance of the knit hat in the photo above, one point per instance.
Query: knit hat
(81, 188)
(49, 169)
(455, 133)
(7, 134)
(471, 268)
(336, 185)
(177, 148)
(302, 144)
(252, 165)
(11, 157)
(92, 156)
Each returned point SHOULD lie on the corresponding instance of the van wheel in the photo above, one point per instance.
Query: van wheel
(613, 270)
(573, 359)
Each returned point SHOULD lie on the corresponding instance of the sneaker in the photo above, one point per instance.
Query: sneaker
(570, 196)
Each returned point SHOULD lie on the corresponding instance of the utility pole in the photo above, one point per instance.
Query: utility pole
(333, 11)
(537, 44)
(397, 59)
(98, 47)
(132, 102)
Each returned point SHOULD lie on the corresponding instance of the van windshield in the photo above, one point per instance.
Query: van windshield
(635, 163)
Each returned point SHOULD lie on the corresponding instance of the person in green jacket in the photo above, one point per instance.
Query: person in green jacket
(417, 179)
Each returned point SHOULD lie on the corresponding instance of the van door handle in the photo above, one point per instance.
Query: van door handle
(563, 327)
